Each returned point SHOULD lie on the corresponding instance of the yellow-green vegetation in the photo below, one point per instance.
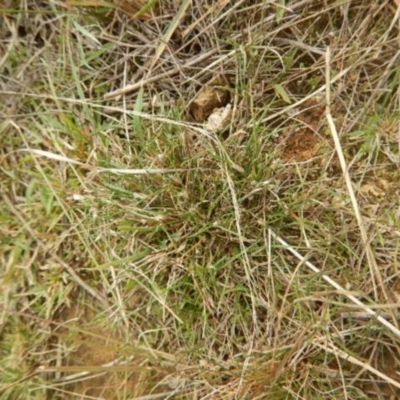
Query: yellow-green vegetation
(143, 256)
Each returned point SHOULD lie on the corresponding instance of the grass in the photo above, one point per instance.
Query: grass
(144, 257)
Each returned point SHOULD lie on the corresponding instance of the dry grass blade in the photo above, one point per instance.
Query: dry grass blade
(156, 78)
(126, 171)
(330, 348)
(171, 29)
(375, 272)
(329, 280)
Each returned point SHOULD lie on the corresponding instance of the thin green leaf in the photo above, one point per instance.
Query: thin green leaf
(281, 92)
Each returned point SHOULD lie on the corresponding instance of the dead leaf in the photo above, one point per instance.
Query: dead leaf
(213, 95)
(136, 8)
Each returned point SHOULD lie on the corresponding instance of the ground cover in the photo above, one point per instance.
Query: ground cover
(199, 200)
